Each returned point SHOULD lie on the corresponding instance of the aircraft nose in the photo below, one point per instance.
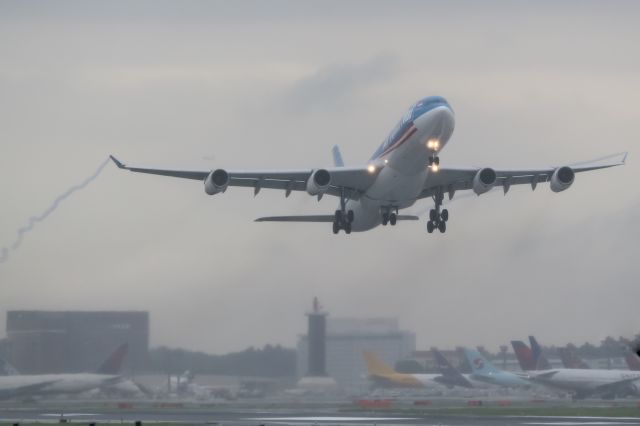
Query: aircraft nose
(442, 122)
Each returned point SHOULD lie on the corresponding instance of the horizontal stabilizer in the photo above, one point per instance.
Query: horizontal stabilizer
(316, 218)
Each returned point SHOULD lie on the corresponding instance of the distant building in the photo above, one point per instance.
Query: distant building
(74, 341)
(347, 338)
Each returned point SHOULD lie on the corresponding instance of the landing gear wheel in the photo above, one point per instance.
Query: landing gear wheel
(436, 160)
(347, 227)
(337, 217)
(445, 215)
(385, 219)
(336, 227)
(442, 226)
(433, 215)
(430, 227)
(393, 218)
(350, 216)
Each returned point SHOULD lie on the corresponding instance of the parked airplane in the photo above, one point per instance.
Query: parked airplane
(381, 374)
(453, 377)
(30, 385)
(484, 371)
(589, 382)
(405, 168)
(583, 382)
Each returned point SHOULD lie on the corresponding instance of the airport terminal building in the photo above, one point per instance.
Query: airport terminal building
(74, 341)
(347, 338)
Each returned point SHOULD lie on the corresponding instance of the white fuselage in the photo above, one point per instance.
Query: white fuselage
(47, 384)
(585, 380)
(403, 170)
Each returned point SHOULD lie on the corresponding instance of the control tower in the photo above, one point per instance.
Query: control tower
(317, 381)
(317, 334)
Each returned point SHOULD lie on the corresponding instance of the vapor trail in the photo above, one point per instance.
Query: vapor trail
(4, 252)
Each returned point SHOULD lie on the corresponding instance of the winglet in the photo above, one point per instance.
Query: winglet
(118, 162)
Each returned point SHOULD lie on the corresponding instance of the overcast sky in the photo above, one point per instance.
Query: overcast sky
(276, 84)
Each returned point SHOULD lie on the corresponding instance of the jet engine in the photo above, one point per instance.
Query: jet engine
(217, 181)
(484, 180)
(318, 182)
(562, 178)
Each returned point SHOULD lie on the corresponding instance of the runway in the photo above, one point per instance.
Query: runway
(258, 417)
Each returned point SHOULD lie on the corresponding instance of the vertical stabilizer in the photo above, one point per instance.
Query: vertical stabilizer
(450, 376)
(113, 364)
(6, 369)
(376, 366)
(570, 358)
(479, 364)
(633, 361)
(541, 362)
(524, 355)
(337, 156)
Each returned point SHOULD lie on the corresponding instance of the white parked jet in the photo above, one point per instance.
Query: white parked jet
(16, 385)
(404, 169)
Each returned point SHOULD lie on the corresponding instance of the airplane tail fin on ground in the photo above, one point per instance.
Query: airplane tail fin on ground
(449, 373)
(113, 364)
(376, 366)
(337, 156)
(541, 362)
(6, 369)
(633, 361)
(524, 355)
(570, 358)
(479, 364)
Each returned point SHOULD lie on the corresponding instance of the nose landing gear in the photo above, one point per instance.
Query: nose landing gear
(437, 218)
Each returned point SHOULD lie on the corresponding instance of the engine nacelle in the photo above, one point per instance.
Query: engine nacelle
(216, 182)
(484, 180)
(318, 182)
(562, 178)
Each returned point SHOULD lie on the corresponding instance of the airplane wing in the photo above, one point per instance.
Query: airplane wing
(317, 218)
(26, 390)
(353, 180)
(452, 179)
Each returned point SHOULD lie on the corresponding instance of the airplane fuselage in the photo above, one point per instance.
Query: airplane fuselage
(587, 380)
(402, 160)
(48, 384)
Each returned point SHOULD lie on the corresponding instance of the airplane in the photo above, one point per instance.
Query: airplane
(484, 371)
(582, 382)
(589, 382)
(404, 169)
(382, 375)
(30, 385)
(524, 355)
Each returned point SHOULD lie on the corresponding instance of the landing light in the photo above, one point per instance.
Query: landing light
(371, 168)
(433, 144)
(435, 168)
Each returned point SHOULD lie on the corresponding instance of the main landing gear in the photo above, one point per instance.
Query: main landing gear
(389, 216)
(434, 159)
(438, 219)
(343, 218)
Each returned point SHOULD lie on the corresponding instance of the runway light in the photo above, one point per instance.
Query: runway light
(371, 168)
